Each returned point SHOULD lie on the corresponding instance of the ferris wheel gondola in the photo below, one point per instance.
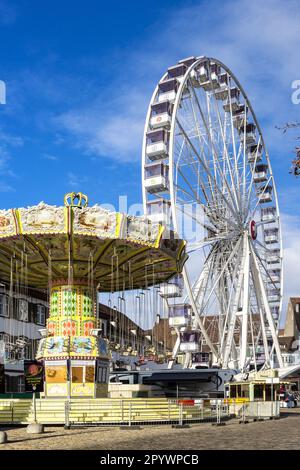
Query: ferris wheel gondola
(207, 175)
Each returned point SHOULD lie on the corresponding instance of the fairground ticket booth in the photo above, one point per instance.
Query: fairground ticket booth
(76, 378)
(254, 390)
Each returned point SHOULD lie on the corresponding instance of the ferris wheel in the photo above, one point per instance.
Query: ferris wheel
(207, 175)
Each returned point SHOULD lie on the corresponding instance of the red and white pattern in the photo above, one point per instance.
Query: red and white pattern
(88, 325)
(69, 328)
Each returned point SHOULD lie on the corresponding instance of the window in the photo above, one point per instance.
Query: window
(90, 374)
(77, 374)
(269, 392)
(56, 374)
(83, 374)
(258, 391)
(23, 310)
(103, 328)
(14, 383)
(41, 315)
(21, 384)
(4, 337)
(28, 351)
(34, 345)
(245, 391)
(3, 305)
(102, 372)
(5, 342)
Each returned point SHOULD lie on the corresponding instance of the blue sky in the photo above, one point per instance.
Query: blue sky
(79, 77)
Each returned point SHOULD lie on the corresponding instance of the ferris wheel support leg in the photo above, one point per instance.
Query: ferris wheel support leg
(245, 311)
(196, 313)
(261, 315)
(199, 284)
(175, 350)
(228, 314)
(217, 279)
(187, 360)
(267, 310)
(232, 319)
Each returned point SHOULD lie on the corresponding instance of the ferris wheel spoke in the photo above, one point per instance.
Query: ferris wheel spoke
(209, 129)
(197, 316)
(201, 283)
(245, 309)
(208, 170)
(201, 143)
(232, 276)
(192, 166)
(191, 188)
(258, 277)
(241, 274)
(186, 193)
(252, 174)
(211, 196)
(205, 141)
(268, 276)
(217, 168)
(261, 194)
(218, 277)
(193, 217)
(212, 200)
(258, 284)
(234, 184)
(205, 212)
(208, 241)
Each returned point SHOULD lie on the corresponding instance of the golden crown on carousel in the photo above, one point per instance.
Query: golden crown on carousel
(76, 200)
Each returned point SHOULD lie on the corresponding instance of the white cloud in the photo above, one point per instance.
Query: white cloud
(5, 188)
(258, 40)
(110, 127)
(8, 13)
(8, 142)
(76, 181)
(48, 156)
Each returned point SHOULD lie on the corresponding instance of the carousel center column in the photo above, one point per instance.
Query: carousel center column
(74, 353)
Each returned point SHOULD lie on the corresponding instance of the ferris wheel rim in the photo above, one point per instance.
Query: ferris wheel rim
(178, 98)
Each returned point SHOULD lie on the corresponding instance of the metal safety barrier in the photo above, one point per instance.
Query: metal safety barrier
(14, 411)
(133, 412)
(260, 410)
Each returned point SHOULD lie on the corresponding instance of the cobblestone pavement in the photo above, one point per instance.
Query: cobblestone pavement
(278, 434)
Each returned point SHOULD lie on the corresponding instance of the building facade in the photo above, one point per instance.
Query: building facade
(289, 335)
(22, 314)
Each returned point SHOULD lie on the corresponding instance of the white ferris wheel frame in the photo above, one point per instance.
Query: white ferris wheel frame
(248, 264)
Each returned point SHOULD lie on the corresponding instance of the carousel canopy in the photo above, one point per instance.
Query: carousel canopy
(115, 250)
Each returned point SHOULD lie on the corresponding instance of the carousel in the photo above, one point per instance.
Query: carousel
(73, 252)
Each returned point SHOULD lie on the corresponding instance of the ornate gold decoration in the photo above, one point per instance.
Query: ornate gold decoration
(76, 200)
